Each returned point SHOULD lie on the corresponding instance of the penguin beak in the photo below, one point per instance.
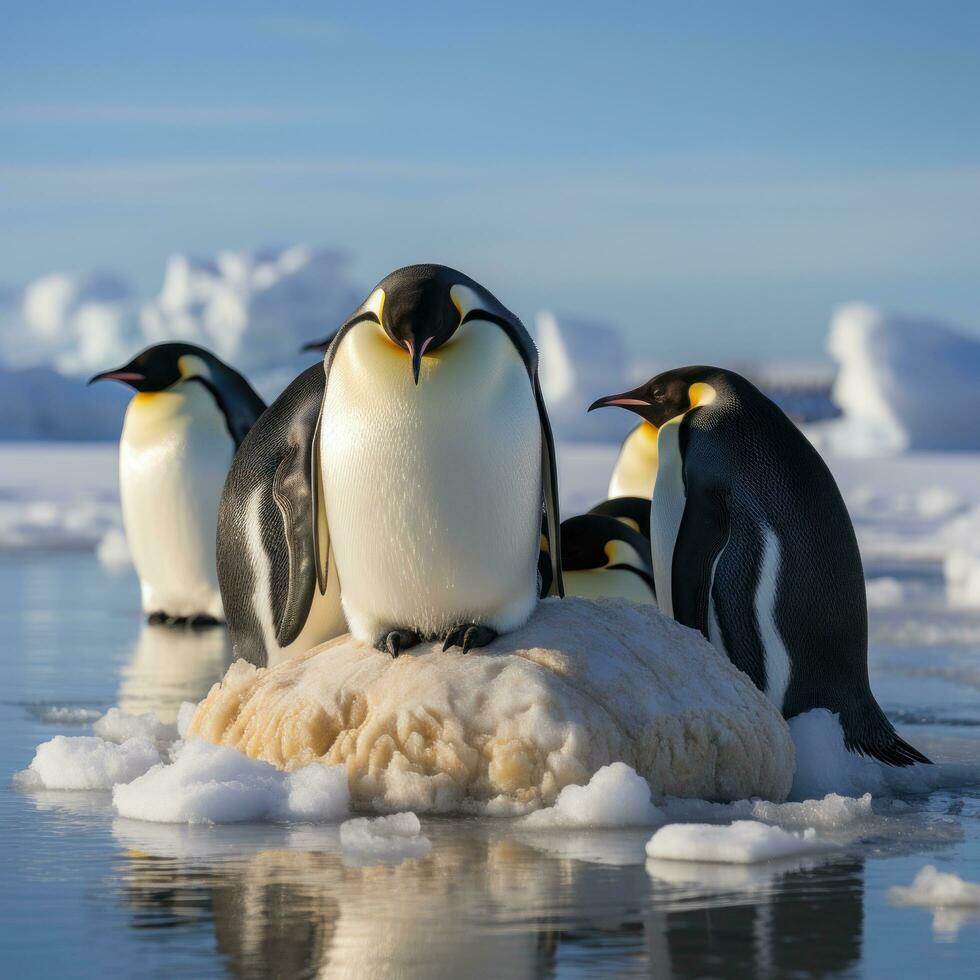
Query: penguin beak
(416, 354)
(628, 399)
(128, 377)
(319, 345)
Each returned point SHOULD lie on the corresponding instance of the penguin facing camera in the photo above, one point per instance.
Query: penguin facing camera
(753, 546)
(189, 414)
(412, 467)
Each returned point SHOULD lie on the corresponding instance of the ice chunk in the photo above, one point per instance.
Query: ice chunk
(895, 372)
(56, 714)
(616, 796)
(87, 762)
(936, 889)
(384, 840)
(209, 783)
(743, 842)
(580, 360)
(118, 726)
(832, 813)
(184, 715)
(582, 685)
(113, 551)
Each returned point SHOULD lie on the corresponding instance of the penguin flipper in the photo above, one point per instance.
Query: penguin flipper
(298, 493)
(702, 536)
(549, 489)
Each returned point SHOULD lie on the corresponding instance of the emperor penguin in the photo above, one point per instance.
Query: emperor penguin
(635, 472)
(634, 512)
(190, 413)
(603, 557)
(412, 469)
(753, 546)
(266, 532)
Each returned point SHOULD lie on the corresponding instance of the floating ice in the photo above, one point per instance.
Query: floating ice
(743, 842)
(87, 762)
(903, 384)
(616, 796)
(582, 685)
(56, 714)
(209, 783)
(936, 889)
(384, 840)
(118, 726)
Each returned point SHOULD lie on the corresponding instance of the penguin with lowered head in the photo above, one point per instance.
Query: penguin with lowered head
(753, 546)
(413, 467)
(189, 414)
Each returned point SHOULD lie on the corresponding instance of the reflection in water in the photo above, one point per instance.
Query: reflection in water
(483, 904)
(170, 665)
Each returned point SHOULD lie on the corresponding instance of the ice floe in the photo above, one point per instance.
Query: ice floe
(118, 726)
(211, 784)
(87, 762)
(582, 685)
(383, 840)
(742, 842)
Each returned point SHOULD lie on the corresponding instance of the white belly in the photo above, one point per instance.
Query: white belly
(173, 458)
(433, 492)
(666, 513)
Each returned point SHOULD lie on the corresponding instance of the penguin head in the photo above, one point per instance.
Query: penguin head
(163, 366)
(420, 308)
(594, 541)
(634, 512)
(670, 395)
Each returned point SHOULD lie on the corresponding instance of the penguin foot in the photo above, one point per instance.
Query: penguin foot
(157, 618)
(397, 640)
(468, 636)
(202, 621)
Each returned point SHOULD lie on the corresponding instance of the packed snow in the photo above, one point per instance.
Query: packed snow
(582, 685)
(616, 796)
(743, 842)
(119, 726)
(383, 840)
(579, 361)
(903, 384)
(212, 784)
(87, 762)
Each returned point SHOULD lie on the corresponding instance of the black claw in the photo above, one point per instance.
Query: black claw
(202, 621)
(156, 618)
(397, 640)
(469, 636)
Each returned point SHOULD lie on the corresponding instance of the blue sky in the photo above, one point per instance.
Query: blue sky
(715, 177)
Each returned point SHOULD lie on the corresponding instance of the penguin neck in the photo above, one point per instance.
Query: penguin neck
(156, 414)
(636, 470)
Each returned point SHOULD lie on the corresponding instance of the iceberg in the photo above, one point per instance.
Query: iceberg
(504, 730)
(904, 384)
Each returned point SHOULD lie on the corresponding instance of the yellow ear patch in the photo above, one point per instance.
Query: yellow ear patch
(543, 545)
(191, 366)
(701, 394)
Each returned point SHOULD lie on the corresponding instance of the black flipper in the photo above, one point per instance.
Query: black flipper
(703, 533)
(236, 400)
(549, 489)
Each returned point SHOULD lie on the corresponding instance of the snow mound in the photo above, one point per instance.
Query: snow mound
(962, 563)
(253, 309)
(616, 796)
(383, 840)
(209, 784)
(87, 762)
(823, 764)
(579, 361)
(743, 842)
(505, 729)
(119, 726)
(903, 384)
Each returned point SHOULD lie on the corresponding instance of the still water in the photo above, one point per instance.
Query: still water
(84, 893)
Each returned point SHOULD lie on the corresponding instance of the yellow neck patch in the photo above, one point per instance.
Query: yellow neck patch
(701, 394)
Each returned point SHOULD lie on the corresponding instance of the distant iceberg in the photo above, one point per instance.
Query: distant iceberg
(904, 384)
(579, 360)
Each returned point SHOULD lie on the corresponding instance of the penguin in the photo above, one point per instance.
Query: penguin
(414, 469)
(190, 413)
(635, 472)
(601, 557)
(753, 546)
(634, 512)
(266, 523)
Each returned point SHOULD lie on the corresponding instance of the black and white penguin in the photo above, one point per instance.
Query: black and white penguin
(753, 546)
(603, 557)
(635, 472)
(190, 413)
(634, 512)
(414, 467)
(266, 533)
